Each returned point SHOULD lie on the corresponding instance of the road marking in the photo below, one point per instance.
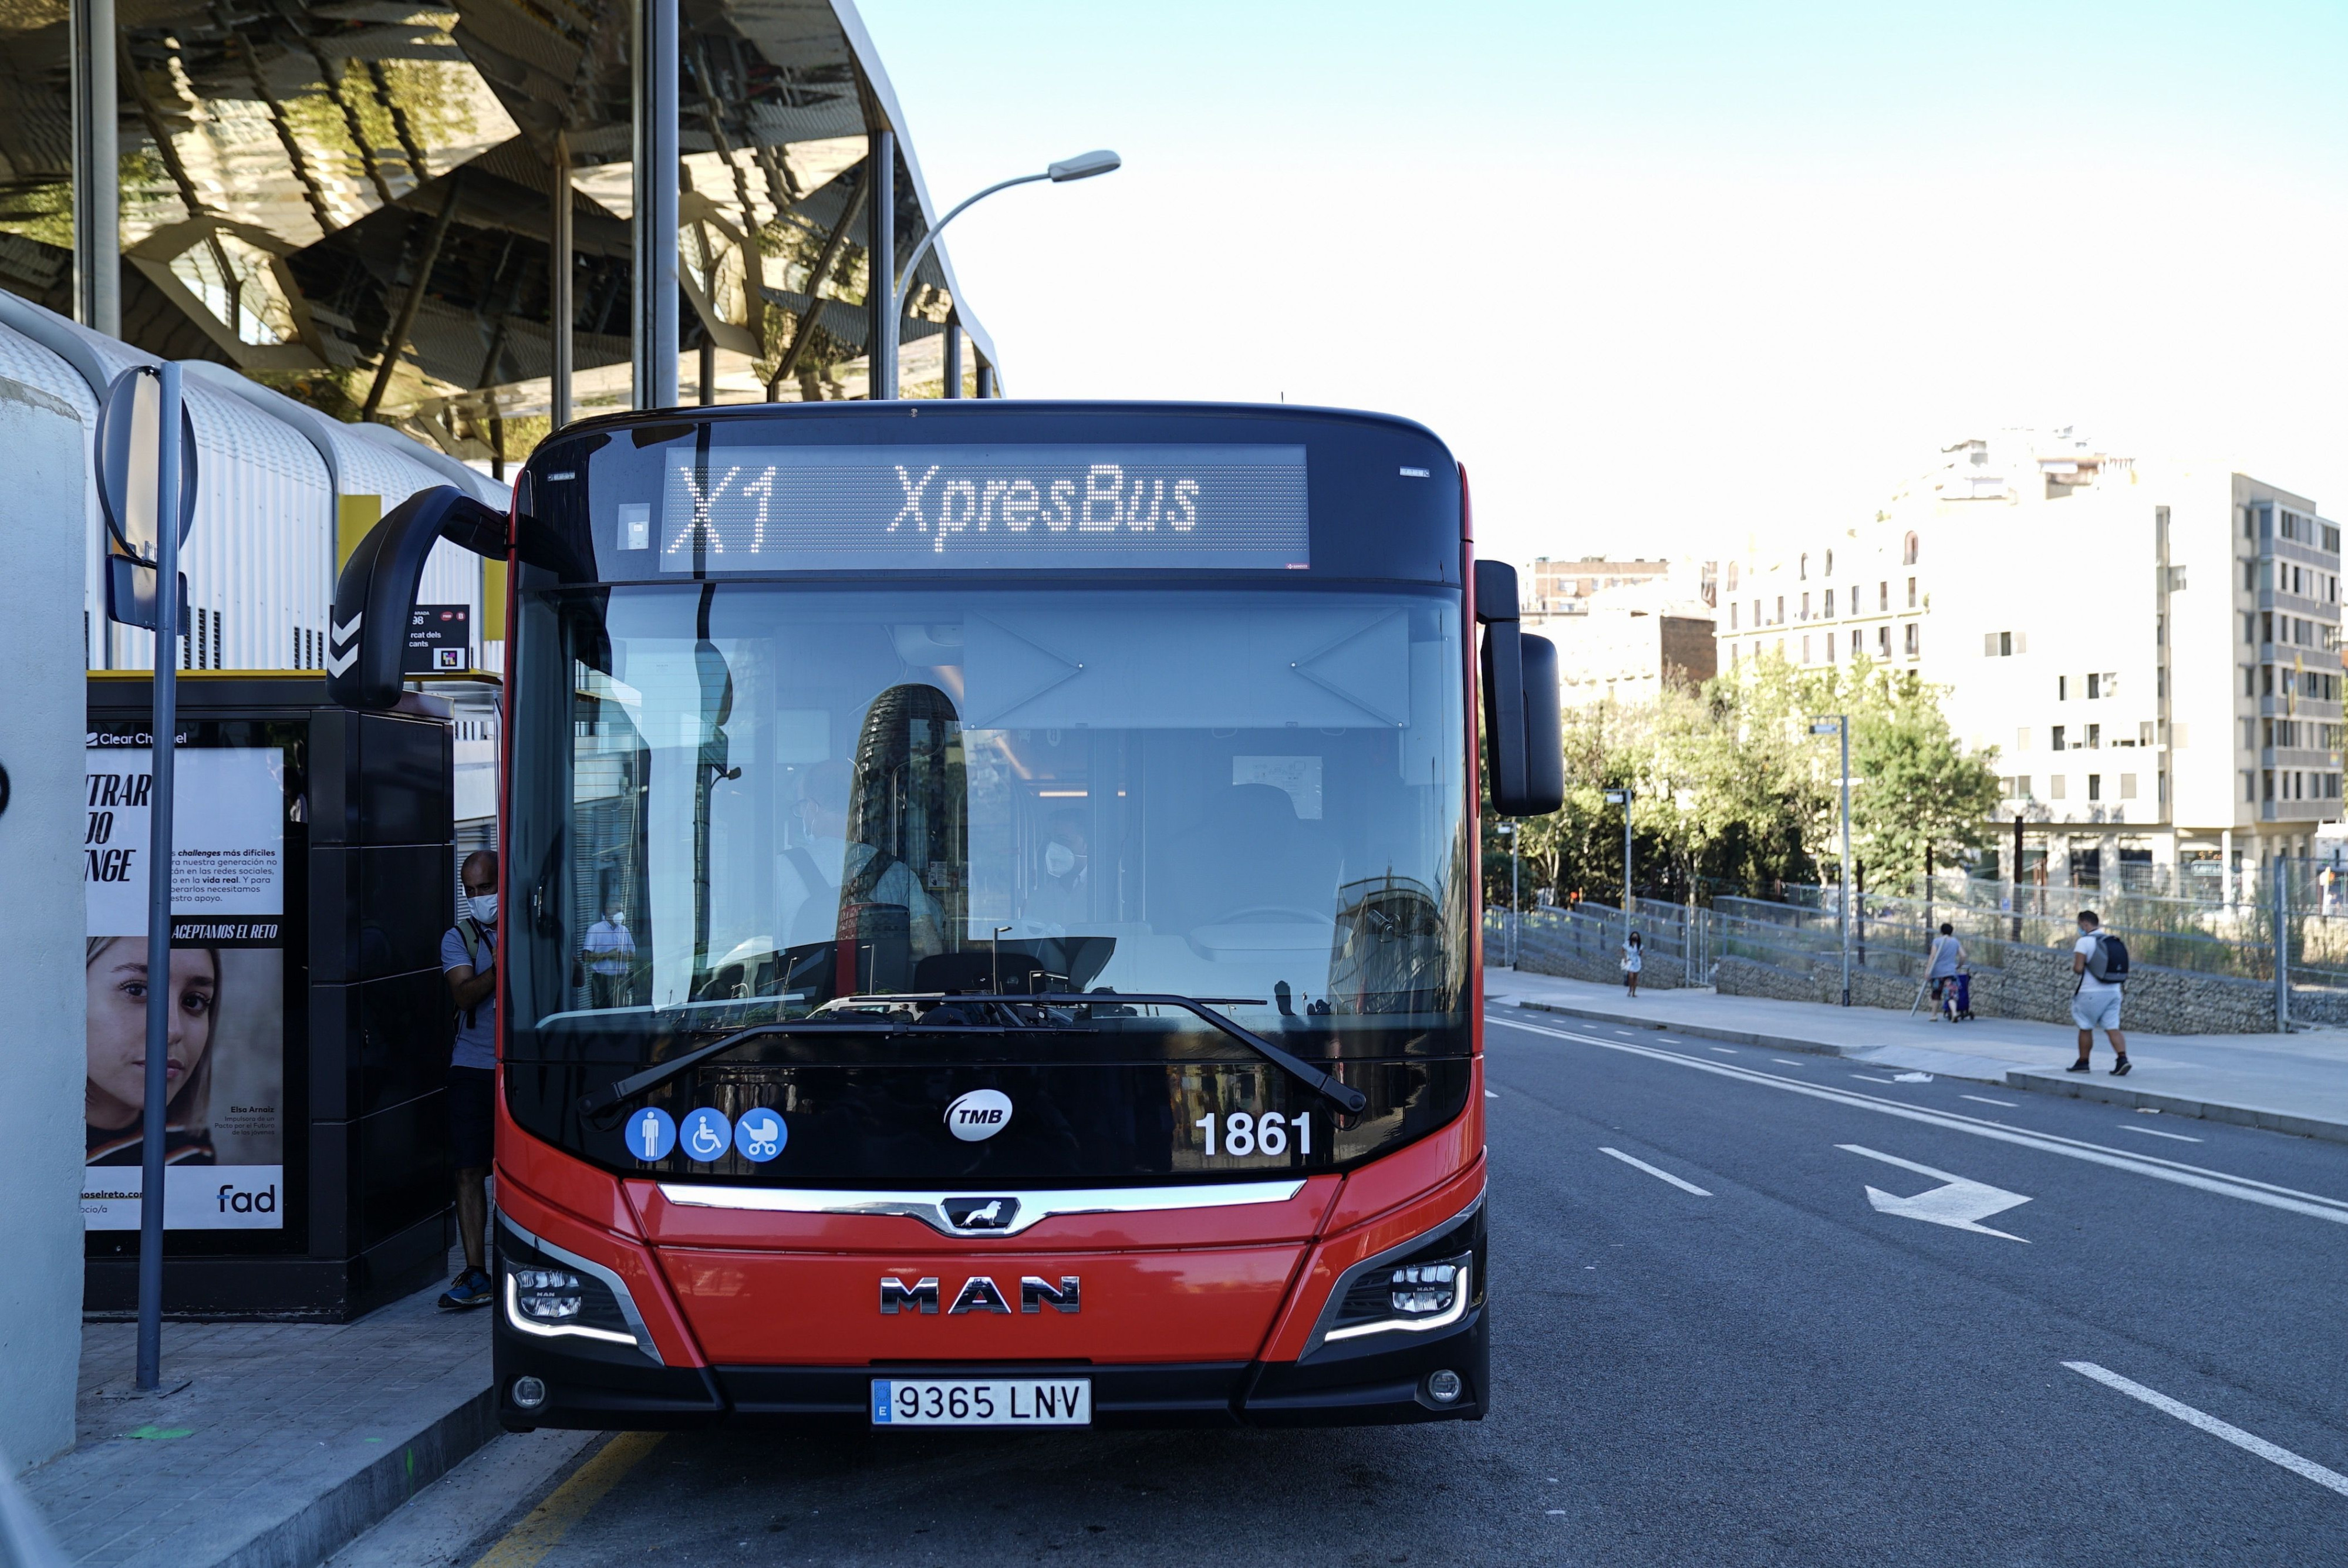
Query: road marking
(1872, 1078)
(1962, 1204)
(1985, 1099)
(1784, 1063)
(1724, 1050)
(2156, 1132)
(1489, 1095)
(1658, 1175)
(2221, 1183)
(543, 1528)
(2227, 1430)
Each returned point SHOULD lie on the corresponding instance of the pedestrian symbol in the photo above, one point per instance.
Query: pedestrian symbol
(706, 1135)
(651, 1133)
(760, 1135)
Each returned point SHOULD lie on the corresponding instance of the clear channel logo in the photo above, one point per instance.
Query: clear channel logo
(980, 1114)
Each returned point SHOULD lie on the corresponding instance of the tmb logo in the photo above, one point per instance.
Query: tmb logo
(982, 1113)
(234, 1201)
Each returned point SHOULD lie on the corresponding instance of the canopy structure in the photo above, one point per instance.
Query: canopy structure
(356, 202)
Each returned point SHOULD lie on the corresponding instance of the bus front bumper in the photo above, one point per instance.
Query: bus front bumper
(607, 1388)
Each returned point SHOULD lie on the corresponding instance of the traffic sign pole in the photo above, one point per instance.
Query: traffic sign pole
(161, 993)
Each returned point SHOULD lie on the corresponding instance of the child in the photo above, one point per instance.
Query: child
(1632, 961)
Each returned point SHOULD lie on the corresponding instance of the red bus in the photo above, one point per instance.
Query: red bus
(992, 930)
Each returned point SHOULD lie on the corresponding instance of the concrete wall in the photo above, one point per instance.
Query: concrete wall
(2034, 986)
(42, 1050)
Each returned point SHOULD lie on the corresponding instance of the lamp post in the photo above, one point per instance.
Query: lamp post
(1623, 798)
(1084, 166)
(1509, 831)
(1839, 725)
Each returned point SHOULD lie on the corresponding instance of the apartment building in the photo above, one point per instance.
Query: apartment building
(2150, 646)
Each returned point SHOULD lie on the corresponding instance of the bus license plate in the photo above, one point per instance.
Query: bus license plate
(982, 1402)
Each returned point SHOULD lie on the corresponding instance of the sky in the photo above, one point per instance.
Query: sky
(1666, 276)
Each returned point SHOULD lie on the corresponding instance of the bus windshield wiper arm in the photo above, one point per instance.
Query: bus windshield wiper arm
(1342, 1095)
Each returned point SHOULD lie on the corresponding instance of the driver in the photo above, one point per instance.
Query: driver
(1063, 896)
(824, 872)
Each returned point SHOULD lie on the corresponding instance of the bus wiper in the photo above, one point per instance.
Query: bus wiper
(1342, 1095)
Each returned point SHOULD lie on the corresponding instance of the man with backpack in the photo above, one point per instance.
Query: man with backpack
(469, 963)
(2101, 962)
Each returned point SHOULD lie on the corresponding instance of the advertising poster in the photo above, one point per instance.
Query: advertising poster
(227, 1063)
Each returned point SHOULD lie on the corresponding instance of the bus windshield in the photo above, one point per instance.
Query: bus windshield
(748, 799)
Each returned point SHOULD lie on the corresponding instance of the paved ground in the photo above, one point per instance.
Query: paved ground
(2299, 1076)
(1779, 1370)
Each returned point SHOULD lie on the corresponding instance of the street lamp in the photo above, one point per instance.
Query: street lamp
(1083, 166)
(1839, 725)
(1509, 831)
(1623, 798)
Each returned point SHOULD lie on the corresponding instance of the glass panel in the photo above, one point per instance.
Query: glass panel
(780, 796)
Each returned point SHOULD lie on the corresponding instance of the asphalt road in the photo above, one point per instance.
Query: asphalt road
(1778, 1369)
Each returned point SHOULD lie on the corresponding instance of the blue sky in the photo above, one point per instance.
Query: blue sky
(1664, 274)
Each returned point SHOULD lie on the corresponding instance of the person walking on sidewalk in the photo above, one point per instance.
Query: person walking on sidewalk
(1632, 962)
(1941, 973)
(469, 963)
(2101, 963)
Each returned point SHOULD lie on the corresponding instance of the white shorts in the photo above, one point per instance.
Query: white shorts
(2097, 1010)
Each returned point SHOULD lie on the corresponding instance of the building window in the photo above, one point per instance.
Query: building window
(1883, 641)
(1781, 609)
(1907, 551)
(2058, 738)
(1805, 606)
(2095, 688)
(1915, 639)
(1830, 601)
(1829, 571)
(1830, 647)
(2266, 784)
(2266, 680)
(1912, 592)
(2144, 733)
(2022, 738)
(1806, 650)
(1883, 596)
(2095, 736)
(2056, 785)
(1805, 566)
(2095, 786)
(2062, 688)
(1732, 620)
(1732, 577)
(1857, 641)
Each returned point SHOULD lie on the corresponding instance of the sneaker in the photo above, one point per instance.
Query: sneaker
(470, 1289)
(2120, 1068)
(2078, 1067)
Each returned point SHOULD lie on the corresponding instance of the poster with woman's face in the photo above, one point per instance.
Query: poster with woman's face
(224, 994)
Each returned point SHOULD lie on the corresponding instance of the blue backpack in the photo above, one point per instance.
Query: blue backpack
(2109, 961)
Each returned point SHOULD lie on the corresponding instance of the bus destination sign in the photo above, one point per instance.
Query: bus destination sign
(977, 508)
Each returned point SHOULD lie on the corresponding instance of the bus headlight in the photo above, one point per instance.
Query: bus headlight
(548, 1295)
(1425, 1288)
(1409, 1298)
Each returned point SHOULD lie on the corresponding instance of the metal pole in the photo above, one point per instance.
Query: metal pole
(2014, 882)
(165, 730)
(2278, 865)
(654, 323)
(987, 387)
(96, 171)
(561, 312)
(1628, 796)
(880, 269)
(1516, 904)
(708, 370)
(953, 354)
(1842, 725)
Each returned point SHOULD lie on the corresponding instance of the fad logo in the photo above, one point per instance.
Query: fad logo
(234, 1200)
(980, 1114)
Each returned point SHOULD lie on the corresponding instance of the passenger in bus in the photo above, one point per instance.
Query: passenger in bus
(1062, 897)
(824, 872)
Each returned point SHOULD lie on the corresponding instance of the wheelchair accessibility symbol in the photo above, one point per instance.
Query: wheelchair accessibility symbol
(760, 1135)
(706, 1135)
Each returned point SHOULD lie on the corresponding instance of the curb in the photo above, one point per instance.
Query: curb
(331, 1522)
(2179, 1104)
(1702, 1031)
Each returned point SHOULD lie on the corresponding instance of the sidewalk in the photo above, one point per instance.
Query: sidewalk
(2288, 1083)
(286, 1441)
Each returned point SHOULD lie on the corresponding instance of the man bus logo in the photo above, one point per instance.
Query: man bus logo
(981, 1113)
(980, 1213)
(979, 1294)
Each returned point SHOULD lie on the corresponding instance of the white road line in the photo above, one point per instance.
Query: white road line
(2223, 1184)
(1872, 1078)
(1489, 1095)
(1784, 1063)
(2246, 1441)
(2156, 1132)
(1985, 1099)
(1724, 1050)
(1658, 1175)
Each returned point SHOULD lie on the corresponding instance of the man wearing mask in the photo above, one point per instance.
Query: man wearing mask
(609, 951)
(1064, 895)
(468, 962)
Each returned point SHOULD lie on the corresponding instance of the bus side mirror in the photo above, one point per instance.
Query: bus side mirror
(1524, 762)
(376, 595)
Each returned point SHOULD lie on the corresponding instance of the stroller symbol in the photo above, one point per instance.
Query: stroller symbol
(759, 1135)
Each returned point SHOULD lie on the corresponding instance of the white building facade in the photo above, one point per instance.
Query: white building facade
(2151, 647)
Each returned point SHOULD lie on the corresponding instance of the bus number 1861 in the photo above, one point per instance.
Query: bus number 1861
(1243, 1134)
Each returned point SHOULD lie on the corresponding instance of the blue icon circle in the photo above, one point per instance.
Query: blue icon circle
(650, 1133)
(705, 1135)
(760, 1135)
